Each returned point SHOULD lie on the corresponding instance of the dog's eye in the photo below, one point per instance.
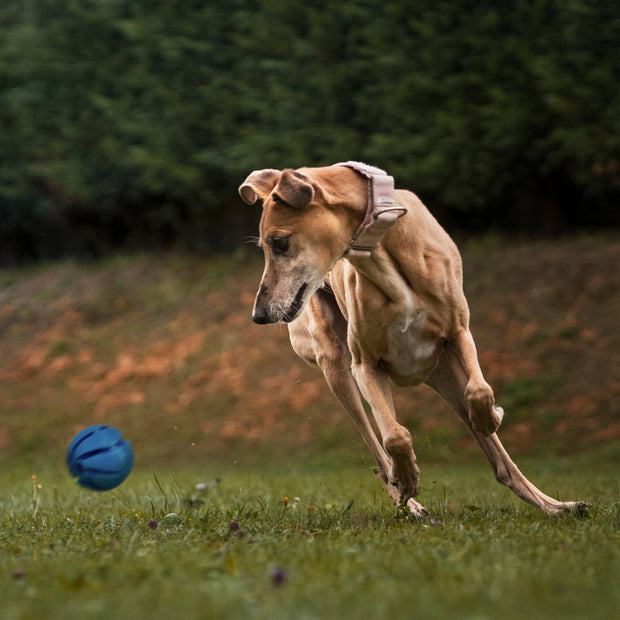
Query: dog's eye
(280, 244)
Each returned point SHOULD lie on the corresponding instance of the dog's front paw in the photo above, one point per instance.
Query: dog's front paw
(484, 415)
(416, 510)
(487, 425)
(498, 416)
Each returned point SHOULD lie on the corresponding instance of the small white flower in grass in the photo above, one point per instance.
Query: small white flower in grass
(203, 486)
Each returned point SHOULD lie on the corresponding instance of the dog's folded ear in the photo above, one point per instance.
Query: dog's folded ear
(258, 185)
(295, 189)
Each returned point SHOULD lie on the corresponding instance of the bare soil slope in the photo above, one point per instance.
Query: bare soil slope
(164, 348)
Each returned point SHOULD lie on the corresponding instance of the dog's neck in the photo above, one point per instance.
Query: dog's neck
(382, 212)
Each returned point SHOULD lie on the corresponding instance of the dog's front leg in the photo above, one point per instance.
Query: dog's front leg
(404, 474)
(319, 336)
(484, 415)
(383, 272)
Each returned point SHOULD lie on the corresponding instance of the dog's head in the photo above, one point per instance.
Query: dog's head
(309, 217)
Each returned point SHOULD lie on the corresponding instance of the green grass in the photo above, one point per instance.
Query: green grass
(158, 547)
(163, 347)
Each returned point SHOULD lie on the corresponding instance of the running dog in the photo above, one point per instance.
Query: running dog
(371, 288)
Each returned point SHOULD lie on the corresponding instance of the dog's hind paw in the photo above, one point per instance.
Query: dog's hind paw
(581, 508)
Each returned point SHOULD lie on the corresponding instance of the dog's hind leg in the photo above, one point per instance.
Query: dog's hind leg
(450, 380)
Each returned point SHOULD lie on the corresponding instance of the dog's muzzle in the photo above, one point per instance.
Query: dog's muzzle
(295, 307)
(260, 316)
(263, 316)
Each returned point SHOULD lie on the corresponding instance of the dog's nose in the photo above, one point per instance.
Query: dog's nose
(259, 316)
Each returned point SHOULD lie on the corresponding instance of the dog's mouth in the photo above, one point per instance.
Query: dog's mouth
(295, 307)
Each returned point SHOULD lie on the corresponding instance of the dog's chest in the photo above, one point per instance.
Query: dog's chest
(405, 337)
(411, 351)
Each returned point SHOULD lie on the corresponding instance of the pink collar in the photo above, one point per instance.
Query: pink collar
(382, 212)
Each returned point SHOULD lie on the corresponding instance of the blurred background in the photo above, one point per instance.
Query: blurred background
(127, 278)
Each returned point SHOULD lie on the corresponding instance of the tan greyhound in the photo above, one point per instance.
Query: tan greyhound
(371, 288)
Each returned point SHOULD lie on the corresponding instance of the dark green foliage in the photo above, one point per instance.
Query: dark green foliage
(132, 123)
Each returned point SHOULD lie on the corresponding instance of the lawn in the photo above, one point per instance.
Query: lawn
(307, 540)
(226, 423)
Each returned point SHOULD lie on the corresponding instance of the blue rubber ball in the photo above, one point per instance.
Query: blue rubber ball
(100, 458)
